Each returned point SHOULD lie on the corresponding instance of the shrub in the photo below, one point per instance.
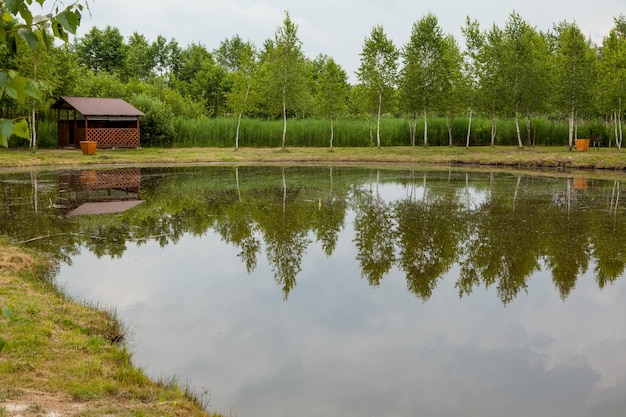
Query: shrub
(157, 124)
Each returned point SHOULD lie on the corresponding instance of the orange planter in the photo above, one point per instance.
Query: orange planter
(88, 146)
(581, 144)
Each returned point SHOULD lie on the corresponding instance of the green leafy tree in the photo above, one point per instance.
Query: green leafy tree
(234, 53)
(157, 124)
(200, 77)
(140, 58)
(612, 74)
(430, 62)
(285, 73)
(241, 60)
(492, 80)
(472, 68)
(453, 90)
(211, 85)
(523, 68)
(332, 91)
(191, 61)
(378, 71)
(166, 55)
(62, 21)
(103, 84)
(575, 74)
(42, 63)
(538, 81)
(102, 50)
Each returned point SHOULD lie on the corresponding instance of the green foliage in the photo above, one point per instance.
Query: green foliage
(284, 86)
(510, 72)
(432, 67)
(378, 72)
(157, 126)
(61, 21)
(575, 64)
(102, 50)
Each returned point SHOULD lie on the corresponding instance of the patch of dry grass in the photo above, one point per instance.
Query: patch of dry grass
(538, 157)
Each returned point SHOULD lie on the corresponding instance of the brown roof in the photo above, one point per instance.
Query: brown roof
(92, 106)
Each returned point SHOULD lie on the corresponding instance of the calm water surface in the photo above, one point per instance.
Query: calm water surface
(351, 292)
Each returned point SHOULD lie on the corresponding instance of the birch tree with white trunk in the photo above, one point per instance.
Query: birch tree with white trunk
(378, 70)
(612, 73)
(575, 74)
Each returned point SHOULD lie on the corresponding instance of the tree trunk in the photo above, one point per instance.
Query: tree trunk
(237, 131)
(332, 132)
(469, 129)
(528, 130)
(493, 131)
(413, 128)
(284, 113)
(284, 124)
(517, 131)
(449, 126)
(245, 99)
(33, 129)
(380, 109)
(425, 128)
(619, 132)
(571, 129)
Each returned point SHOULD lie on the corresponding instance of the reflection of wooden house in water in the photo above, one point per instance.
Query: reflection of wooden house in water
(100, 192)
(111, 122)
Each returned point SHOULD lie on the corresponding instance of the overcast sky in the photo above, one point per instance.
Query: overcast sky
(334, 27)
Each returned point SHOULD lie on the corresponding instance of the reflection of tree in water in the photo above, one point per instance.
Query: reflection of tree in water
(566, 236)
(328, 219)
(238, 227)
(279, 216)
(429, 232)
(284, 227)
(500, 241)
(608, 233)
(504, 245)
(374, 239)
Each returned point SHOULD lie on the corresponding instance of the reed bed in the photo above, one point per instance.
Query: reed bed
(361, 132)
(355, 132)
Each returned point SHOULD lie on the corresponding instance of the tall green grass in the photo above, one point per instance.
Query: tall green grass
(358, 132)
(220, 132)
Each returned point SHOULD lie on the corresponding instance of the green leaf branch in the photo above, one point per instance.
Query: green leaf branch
(63, 20)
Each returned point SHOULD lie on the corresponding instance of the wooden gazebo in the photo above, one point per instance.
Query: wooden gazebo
(111, 122)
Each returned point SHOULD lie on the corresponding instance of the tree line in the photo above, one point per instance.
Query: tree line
(512, 72)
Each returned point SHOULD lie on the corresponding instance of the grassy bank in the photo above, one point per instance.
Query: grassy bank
(66, 358)
(503, 156)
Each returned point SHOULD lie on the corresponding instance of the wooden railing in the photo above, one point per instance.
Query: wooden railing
(118, 138)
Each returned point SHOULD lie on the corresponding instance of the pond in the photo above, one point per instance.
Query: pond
(349, 291)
